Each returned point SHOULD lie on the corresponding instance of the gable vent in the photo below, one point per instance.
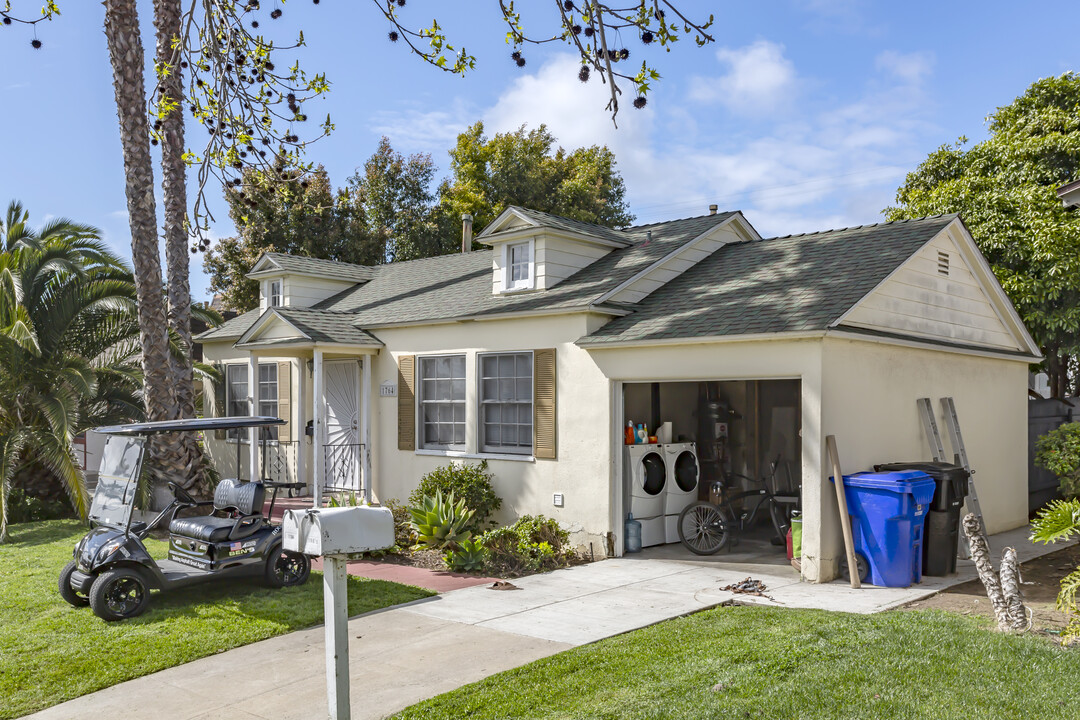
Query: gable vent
(943, 263)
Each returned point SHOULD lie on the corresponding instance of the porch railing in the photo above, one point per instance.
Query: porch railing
(277, 460)
(342, 468)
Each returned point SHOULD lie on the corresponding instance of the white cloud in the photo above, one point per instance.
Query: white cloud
(758, 79)
(910, 68)
(424, 131)
(817, 165)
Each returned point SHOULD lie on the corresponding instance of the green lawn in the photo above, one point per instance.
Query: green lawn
(777, 663)
(51, 652)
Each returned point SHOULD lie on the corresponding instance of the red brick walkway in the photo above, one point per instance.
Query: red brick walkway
(435, 580)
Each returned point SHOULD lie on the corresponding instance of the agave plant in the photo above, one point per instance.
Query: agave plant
(469, 557)
(439, 522)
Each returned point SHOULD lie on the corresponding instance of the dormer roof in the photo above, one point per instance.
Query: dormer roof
(273, 263)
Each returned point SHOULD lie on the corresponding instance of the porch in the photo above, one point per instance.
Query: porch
(324, 396)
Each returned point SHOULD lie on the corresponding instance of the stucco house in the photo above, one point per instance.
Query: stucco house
(536, 353)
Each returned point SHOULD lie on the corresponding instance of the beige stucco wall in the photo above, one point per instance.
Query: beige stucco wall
(870, 391)
(863, 392)
(582, 470)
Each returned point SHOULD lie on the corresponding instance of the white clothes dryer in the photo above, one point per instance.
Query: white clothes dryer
(683, 476)
(646, 480)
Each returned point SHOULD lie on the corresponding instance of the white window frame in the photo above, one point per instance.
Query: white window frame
(481, 434)
(241, 434)
(421, 402)
(275, 299)
(528, 283)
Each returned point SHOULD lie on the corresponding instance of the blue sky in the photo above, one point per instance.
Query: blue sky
(805, 114)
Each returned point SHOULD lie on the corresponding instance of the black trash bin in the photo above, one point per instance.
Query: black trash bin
(942, 531)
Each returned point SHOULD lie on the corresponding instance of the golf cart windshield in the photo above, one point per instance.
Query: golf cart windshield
(118, 475)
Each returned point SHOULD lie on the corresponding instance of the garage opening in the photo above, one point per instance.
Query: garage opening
(734, 446)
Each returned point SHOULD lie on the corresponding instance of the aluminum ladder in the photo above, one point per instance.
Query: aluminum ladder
(960, 457)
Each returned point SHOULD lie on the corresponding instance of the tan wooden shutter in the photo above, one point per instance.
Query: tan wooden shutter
(544, 404)
(284, 400)
(219, 399)
(406, 403)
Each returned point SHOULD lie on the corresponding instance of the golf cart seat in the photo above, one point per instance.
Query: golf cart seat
(231, 494)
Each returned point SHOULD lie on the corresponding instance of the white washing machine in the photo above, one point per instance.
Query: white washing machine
(646, 479)
(683, 476)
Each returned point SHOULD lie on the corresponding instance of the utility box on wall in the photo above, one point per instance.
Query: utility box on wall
(338, 531)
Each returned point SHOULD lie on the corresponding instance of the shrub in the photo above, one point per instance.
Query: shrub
(1059, 452)
(471, 483)
(531, 544)
(440, 522)
(469, 557)
(1060, 520)
(403, 532)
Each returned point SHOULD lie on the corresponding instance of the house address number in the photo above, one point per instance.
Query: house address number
(388, 389)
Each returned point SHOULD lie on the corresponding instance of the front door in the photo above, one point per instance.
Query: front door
(341, 409)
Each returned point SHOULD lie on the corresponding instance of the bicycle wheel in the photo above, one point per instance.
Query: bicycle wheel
(703, 528)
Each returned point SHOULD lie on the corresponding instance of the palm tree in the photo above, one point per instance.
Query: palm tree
(1060, 520)
(69, 351)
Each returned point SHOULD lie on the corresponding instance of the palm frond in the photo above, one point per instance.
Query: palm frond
(1059, 520)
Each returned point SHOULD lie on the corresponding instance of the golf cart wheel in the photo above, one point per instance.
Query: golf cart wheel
(286, 569)
(703, 529)
(119, 594)
(70, 595)
(861, 564)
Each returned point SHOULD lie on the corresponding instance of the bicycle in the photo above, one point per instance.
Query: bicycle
(706, 528)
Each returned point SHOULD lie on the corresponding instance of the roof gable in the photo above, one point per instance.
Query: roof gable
(945, 291)
(292, 326)
(273, 263)
(788, 284)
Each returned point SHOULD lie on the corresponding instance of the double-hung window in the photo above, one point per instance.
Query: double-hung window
(268, 396)
(236, 396)
(275, 293)
(519, 266)
(442, 402)
(506, 403)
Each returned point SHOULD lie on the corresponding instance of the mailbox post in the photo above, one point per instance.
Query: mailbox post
(336, 534)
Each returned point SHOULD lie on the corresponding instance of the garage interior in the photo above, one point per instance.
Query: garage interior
(745, 436)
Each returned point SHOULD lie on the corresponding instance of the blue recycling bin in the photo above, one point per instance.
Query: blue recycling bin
(888, 510)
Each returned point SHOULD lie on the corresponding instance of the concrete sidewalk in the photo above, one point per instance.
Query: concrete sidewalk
(405, 654)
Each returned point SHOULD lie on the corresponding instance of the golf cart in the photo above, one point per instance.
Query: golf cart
(112, 571)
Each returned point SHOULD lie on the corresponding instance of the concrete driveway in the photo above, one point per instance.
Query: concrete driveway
(405, 654)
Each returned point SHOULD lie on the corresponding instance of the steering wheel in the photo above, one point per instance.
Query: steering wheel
(181, 494)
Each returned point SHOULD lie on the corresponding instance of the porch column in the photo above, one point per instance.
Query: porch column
(365, 437)
(298, 433)
(316, 414)
(253, 404)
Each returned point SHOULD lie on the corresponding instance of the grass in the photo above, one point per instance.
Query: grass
(755, 662)
(51, 652)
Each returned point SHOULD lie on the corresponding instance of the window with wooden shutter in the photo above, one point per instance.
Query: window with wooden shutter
(544, 404)
(219, 398)
(284, 379)
(406, 404)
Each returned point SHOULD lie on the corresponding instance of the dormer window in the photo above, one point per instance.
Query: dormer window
(275, 293)
(520, 271)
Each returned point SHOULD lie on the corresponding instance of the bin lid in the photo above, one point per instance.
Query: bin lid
(932, 468)
(898, 481)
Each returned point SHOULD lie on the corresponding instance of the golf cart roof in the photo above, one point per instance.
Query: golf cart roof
(190, 425)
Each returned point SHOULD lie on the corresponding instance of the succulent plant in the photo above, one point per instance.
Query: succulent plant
(469, 557)
(439, 522)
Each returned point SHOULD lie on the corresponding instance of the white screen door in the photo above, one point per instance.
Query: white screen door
(341, 407)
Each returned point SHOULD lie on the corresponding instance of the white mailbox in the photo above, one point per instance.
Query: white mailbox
(338, 531)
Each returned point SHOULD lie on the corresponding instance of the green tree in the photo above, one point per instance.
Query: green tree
(69, 348)
(1004, 187)
(302, 217)
(1060, 520)
(525, 168)
(395, 199)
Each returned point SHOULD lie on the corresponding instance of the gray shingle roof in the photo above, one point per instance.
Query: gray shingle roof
(453, 286)
(233, 328)
(321, 268)
(793, 283)
(544, 219)
(323, 326)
